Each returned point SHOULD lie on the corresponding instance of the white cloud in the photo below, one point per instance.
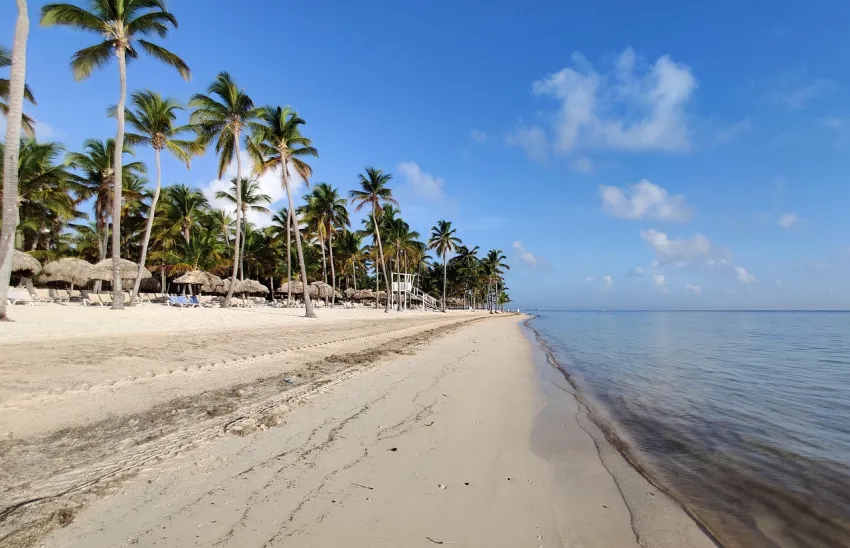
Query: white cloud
(478, 136)
(532, 140)
(735, 130)
(607, 280)
(270, 184)
(669, 251)
(778, 283)
(636, 272)
(788, 220)
(644, 200)
(423, 184)
(583, 164)
(524, 255)
(588, 278)
(630, 107)
(744, 276)
(661, 283)
(695, 289)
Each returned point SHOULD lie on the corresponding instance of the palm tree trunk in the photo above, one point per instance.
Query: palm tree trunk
(118, 300)
(398, 280)
(354, 274)
(377, 283)
(333, 268)
(244, 239)
(11, 151)
(148, 227)
(444, 282)
(288, 256)
(308, 304)
(383, 264)
(324, 261)
(226, 303)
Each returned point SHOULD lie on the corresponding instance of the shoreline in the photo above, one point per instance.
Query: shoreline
(443, 431)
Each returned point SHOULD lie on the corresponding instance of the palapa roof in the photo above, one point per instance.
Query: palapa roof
(297, 287)
(323, 290)
(127, 269)
(67, 269)
(22, 261)
(349, 293)
(194, 277)
(250, 286)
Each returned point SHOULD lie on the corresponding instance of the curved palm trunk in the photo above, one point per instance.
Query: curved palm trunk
(118, 299)
(11, 151)
(383, 264)
(398, 281)
(333, 269)
(444, 282)
(148, 227)
(324, 260)
(236, 247)
(308, 304)
(288, 257)
(377, 283)
(244, 239)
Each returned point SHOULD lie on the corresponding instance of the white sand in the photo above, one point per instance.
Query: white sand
(312, 463)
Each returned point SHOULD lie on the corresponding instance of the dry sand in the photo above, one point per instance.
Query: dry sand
(348, 431)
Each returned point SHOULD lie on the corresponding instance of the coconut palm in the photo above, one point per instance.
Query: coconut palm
(10, 152)
(5, 87)
(120, 24)
(282, 224)
(494, 268)
(220, 221)
(154, 123)
(443, 241)
(252, 198)
(350, 253)
(220, 116)
(327, 210)
(277, 142)
(184, 208)
(375, 193)
(97, 179)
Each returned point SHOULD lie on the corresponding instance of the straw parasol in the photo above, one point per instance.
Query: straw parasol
(323, 290)
(297, 288)
(21, 261)
(127, 270)
(68, 269)
(364, 295)
(250, 286)
(208, 282)
(349, 293)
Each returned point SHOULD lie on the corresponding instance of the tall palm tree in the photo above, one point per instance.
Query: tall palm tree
(10, 152)
(120, 24)
(184, 209)
(351, 253)
(252, 198)
(5, 87)
(327, 209)
(375, 192)
(220, 221)
(277, 142)
(494, 267)
(97, 180)
(220, 116)
(153, 122)
(282, 223)
(443, 241)
(468, 268)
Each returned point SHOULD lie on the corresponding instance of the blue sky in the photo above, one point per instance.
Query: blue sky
(623, 155)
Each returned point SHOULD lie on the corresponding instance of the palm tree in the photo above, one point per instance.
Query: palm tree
(10, 152)
(494, 267)
(375, 192)
(327, 209)
(277, 143)
(443, 241)
(154, 122)
(351, 254)
(220, 116)
(252, 198)
(468, 267)
(282, 223)
(5, 86)
(220, 221)
(184, 208)
(121, 24)
(97, 180)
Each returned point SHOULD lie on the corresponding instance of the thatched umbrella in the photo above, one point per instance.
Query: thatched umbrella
(193, 277)
(21, 262)
(250, 286)
(323, 290)
(337, 295)
(364, 295)
(349, 293)
(297, 288)
(214, 283)
(68, 269)
(127, 270)
(150, 285)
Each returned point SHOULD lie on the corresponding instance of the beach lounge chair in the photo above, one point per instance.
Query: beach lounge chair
(19, 295)
(105, 299)
(57, 298)
(182, 299)
(39, 296)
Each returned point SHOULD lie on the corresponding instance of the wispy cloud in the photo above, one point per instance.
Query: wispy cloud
(788, 220)
(660, 282)
(695, 289)
(607, 281)
(423, 185)
(644, 200)
(793, 90)
(532, 140)
(478, 136)
(525, 255)
(744, 276)
(583, 164)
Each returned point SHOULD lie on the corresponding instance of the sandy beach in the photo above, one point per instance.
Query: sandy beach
(260, 428)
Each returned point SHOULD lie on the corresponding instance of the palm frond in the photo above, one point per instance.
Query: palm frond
(167, 57)
(86, 60)
(72, 16)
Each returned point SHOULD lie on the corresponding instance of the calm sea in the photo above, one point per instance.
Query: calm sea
(742, 416)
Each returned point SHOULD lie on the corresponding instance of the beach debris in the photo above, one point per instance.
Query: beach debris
(441, 486)
(435, 541)
(509, 479)
(429, 423)
(603, 506)
(393, 449)
(288, 380)
(364, 486)
(466, 483)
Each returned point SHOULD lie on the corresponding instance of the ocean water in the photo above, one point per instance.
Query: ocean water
(744, 417)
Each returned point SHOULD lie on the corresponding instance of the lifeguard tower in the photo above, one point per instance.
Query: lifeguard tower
(404, 288)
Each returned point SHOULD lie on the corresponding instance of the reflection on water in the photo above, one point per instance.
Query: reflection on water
(745, 416)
